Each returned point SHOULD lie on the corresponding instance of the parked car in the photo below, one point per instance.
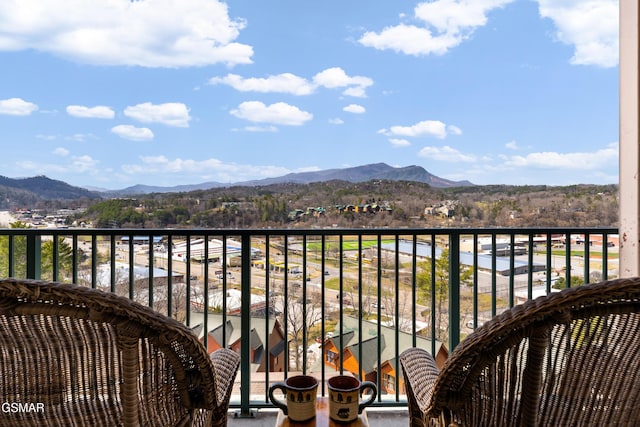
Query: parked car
(375, 305)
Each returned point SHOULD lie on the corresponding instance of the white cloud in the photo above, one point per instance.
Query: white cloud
(511, 145)
(170, 114)
(354, 108)
(61, 151)
(279, 113)
(133, 133)
(457, 16)
(151, 33)
(17, 107)
(77, 165)
(544, 167)
(201, 170)
(336, 121)
(336, 77)
(575, 161)
(445, 154)
(355, 91)
(84, 164)
(590, 26)
(331, 78)
(97, 112)
(81, 137)
(399, 142)
(443, 24)
(454, 130)
(281, 83)
(28, 165)
(424, 128)
(408, 39)
(257, 129)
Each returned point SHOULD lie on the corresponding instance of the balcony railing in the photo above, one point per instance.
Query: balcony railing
(319, 301)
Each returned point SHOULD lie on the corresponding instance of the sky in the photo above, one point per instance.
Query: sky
(113, 93)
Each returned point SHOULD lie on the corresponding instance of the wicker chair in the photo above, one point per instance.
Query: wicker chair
(75, 356)
(566, 359)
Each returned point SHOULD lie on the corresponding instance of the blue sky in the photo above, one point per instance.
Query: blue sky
(115, 93)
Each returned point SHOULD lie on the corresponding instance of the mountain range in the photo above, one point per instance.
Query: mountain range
(26, 191)
(43, 188)
(353, 174)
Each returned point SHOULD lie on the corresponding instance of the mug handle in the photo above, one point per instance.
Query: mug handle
(367, 385)
(278, 386)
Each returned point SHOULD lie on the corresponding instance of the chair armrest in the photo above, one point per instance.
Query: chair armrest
(420, 375)
(225, 366)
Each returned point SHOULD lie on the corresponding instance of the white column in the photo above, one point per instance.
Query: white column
(629, 141)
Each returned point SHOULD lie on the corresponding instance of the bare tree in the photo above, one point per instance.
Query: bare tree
(302, 315)
(139, 290)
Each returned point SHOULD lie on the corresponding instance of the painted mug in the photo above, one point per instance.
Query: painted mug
(344, 397)
(300, 391)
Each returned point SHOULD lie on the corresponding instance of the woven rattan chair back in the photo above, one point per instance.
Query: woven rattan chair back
(566, 359)
(75, 356)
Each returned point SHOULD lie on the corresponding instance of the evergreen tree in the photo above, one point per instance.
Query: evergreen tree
(440, 283)
(65, 256)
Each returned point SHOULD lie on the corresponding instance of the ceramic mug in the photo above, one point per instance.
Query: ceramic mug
(300, 391)
(344, 397)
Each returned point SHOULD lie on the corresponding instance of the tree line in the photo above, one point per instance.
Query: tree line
(269, 206)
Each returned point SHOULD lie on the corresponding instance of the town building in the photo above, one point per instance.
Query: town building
(267, 342)
(377, 350)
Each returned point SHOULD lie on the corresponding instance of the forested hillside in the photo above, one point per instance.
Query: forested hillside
(378, 203)
(41, 192)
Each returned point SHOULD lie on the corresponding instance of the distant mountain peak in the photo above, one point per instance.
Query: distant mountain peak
(364, 173)
(351, 174)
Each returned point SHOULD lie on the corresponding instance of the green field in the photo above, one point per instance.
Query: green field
(580, 253)
(347, 245)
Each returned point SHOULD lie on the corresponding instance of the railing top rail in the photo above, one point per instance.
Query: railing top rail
(300, 232)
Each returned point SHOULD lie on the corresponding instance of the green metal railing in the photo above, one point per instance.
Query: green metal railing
(318, 284)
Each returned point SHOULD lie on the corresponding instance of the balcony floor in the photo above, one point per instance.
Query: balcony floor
(378, 417)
